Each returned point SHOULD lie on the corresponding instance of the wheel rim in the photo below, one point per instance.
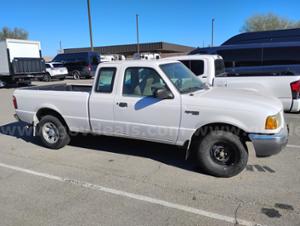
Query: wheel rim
(46, 78)
(224, 153)
(76, 75)
(50, 133)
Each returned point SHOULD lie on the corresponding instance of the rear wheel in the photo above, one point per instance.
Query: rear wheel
(47, 77)
(76, 75)
(222, 154)
(52, 132)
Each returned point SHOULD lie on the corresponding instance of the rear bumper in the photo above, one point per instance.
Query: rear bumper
(266, 145)
(87, 73)
(295, 105)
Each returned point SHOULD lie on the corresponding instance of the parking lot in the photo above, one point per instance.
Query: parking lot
(99, 180)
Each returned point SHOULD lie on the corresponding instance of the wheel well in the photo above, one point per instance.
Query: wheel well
(47, 111)
(204, 130)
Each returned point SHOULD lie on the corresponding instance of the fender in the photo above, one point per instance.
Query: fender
(44, 106)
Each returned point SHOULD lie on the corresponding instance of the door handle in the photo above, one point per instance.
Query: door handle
(122, 104)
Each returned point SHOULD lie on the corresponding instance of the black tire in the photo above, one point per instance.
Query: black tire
(47, 77)
(59, 130)
(76, 75)
(222, 154)
(21, 84)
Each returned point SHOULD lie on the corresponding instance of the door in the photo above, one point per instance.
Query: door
(138, 114)
(101, 102)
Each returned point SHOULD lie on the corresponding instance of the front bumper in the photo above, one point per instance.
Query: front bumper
(266, 145)
(59, 76)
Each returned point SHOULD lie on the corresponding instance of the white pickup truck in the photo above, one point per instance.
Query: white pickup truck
(210, 69)
(160, 101)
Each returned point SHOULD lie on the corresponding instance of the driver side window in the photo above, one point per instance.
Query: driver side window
(139, 81)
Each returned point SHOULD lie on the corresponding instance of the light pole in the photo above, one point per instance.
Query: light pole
(90, 25)
(137, 34)
(60, 47)
(212, 31)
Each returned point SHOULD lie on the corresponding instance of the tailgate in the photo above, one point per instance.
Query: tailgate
(28, 66)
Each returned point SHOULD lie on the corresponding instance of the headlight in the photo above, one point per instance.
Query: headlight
(273, 121)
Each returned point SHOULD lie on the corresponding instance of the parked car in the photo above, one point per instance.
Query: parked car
(160, 101)
(20, 61)
(278, 81)
(79, 65)
(146, 56)
(107, 58)
(55, 70)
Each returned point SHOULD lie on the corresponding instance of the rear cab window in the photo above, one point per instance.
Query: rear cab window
(57, 65)
(196, 66)
(219, 68)
(105, 80)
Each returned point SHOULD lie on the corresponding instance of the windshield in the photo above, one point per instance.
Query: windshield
(183, 79)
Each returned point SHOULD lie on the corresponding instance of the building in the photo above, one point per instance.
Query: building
(164, 48)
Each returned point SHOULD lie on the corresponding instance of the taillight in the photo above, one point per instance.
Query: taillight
(295, 88)
(15, 102)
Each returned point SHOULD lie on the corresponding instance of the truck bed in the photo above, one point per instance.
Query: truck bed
(63, 87)
(71, 101)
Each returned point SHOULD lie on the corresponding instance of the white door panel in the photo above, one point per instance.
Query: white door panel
(102, 102)
(101, 113)
(139, 115)
(147, 118)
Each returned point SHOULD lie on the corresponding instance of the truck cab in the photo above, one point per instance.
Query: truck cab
(206, 67)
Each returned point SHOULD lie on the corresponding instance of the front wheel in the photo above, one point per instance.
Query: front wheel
(222, 154)
(52, 132)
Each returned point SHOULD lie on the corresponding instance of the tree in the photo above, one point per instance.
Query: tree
(270, 21)
(17, 33)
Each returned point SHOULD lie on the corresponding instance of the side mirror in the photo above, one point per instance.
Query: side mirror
(163, 93)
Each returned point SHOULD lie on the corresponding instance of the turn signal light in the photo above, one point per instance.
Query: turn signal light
(272, 122)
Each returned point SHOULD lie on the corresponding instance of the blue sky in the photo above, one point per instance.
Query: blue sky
(185, 22)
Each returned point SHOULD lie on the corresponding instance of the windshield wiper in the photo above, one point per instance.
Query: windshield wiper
(190, 89)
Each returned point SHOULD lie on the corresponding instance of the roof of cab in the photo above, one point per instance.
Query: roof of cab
(143, 63)
(194, 57)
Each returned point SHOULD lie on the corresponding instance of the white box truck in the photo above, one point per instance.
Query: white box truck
(20, 61)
